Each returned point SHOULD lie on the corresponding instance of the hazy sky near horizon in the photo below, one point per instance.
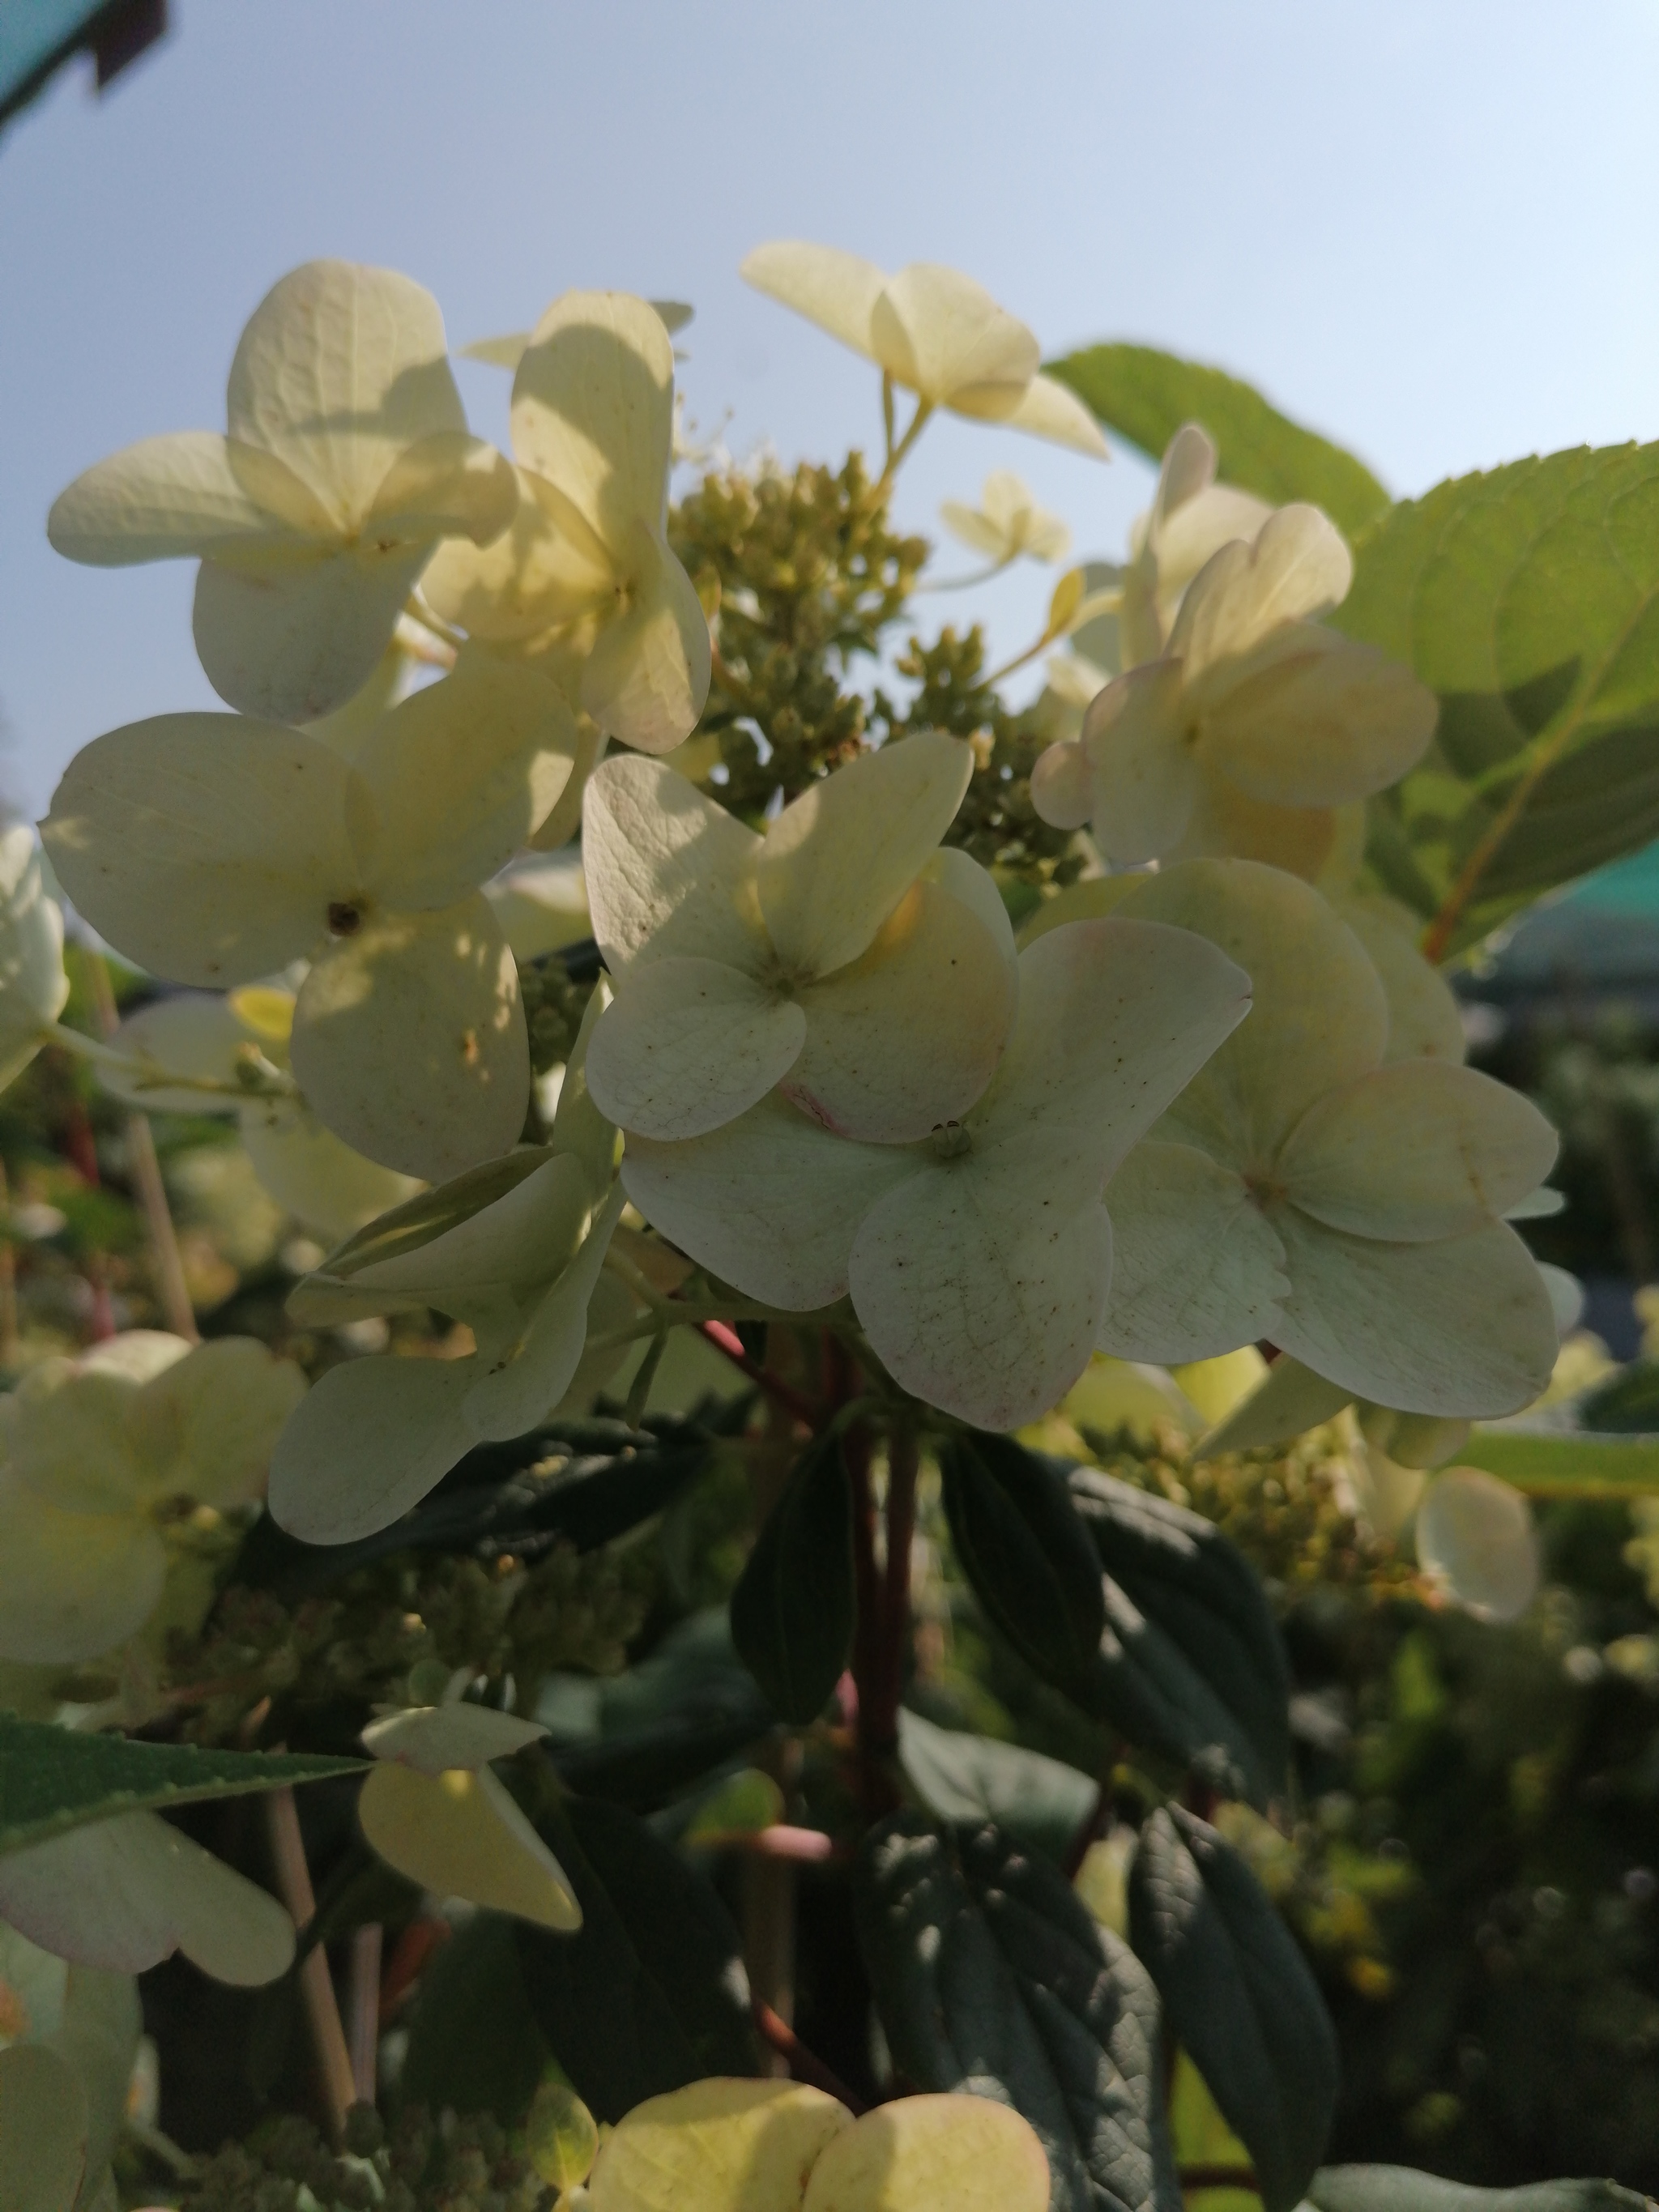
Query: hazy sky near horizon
(1427, 227)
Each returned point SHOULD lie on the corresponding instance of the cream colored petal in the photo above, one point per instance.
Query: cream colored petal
(325, 1186)
(1298, 567)
(340, 369)
(135, 1356)
(1048, 409)
(838, 859)
(944, 337)
(192, 1033)
(522, 1239)
(542, 904)
(770, 1203)
(436, 1738)
(967, 2152)
(669, 872)
(982, 1291)
(1319, 1018)
(72, 1585)
(720, 2145)
(647, 679)
(206, 1427)
(1475, 1537)
(1144, 775)
(1114, 1018)
(1325, 721)
(1291, 1400)
(367, 1441)
(1196, 1270)
(410, 1040)
(1461, 1327)
(417, 1221)
(578, 1126)
(1417, 1149)
(460, 1834)
(1225, 823)
(71, 1442)
(125, 1893)
(837, 291)
(460, 773)
(43, 2129)
(1063, 784)
(529, 578)
(33, 984)
(447, 485)
(207, 849)
(690, 1044)
(1424, 1020)
(565, 821)
(162, 499)
(955, 872)
(593, 408)
(909, 1036)
(979, 532)
(520, 1384)
(295, 643)
(1190, 533)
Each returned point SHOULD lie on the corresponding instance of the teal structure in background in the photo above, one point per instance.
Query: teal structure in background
(37, 37)
(1601, 936)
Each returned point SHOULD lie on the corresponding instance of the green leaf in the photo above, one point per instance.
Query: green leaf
(1550, 1461)
(650, 1992)
(1146, 396)
(794, 1606)
(1025, 1553)
(1527, 598)
(991, 1978)
(1400, 2189)
(1238, 1994)
(663, 1725)
(1191, 1665)
(1626, 1404)
(1041, 1801)
(474, 2043)
(52, 1779)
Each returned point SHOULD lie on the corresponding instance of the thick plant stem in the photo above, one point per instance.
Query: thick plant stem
(725, 1340)
(363, 2004)
(334, 2070)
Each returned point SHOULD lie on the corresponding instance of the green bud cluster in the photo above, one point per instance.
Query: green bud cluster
(415, 2164)
(553, 1009)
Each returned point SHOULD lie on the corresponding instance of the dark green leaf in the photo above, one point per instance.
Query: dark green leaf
(1041, 1803)
(474, 2043)
(1191, 1663)
(1527, 598)
(1547, 1456)
(1146, 396)
(650, 1992)
(1025, 1553)
(1400, 2189)
(794, 1608)
(1627, 1404)
(56, 1778)
(991, 1977)
(1238, 1993)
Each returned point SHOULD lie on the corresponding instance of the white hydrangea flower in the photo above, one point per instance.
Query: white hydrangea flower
(71, 2038)
(1475, 1538)
(1007, 522)
(33, 984)
(932, 329)
(1191, 517)
(348, 460)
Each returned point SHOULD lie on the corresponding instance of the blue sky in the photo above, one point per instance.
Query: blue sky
(1428, 226)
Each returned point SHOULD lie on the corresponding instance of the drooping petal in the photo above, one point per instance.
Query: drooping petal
(1196, 1271)
(369, 1441)
(325, 1186)
(1323, 722)
(836, 290)
(296, 642)
(690, 1044)
(646, 681)
(1048, 410)
(418, 1221)
(668, 871)
(410, 1040)
(190, 1033)
(207, 849)
(340, 369)
(1460, 1327)
(125, 1893)
(770, 1203)
(1297, 568)
(579, 1127)
(436, 1738)
(520, 1383)
(1290, 1399)
(460, 1834)
(1424, 1020)
(1416, 1149)
(445, 485)
(944, 337)
(163, 499)
(1063, 785)
(971, 2153)
(593, 408)
(1319, 1018)
(206, 1427)
(715, 2146)
(523, 582)
(520, 1239)
(1475, 1536)
(33, 984)
(839, 858)
(72, 1585)
(1143, 771)
(460, 773)
(909, 1036)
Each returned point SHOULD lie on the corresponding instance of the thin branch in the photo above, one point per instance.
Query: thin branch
(804, 2064)
(363, 2004)
(725, 1340)
(334, 2068)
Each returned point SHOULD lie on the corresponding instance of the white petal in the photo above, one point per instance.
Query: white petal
(325, 1186)
(717, 2145)
(72, 1585)
(1475, 1536)
(1196, 1271)
(369, 1441)
(162, 499)
(206, 1426)
(410, 1040)
(593, 408)
(189, 1033)
(446, 485)
(838, 859)
(460, 1834)
(943, 335)
(837, 291)
(909, 1036)
(295, 642)
(1416, 1149)
(955, 872)
(519, 1241)
(1145, 773)
(689, 1044)
(1291, 1400)
(1226, 822)
(1424, 1021)
(647, 679)
(1299, 566)
(33, 984)
(436, 1738)
(523, 582)
(1063, 784)
(1463, 1326)
(667, 869)
(1322, 722)
(770, 1203)
(542, 904)
(968, 2152)
(520, 1384)
(207, 849)
(339, 369)
(578, 1126)
(1049, 409)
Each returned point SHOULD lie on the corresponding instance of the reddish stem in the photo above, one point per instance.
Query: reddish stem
(727, 1340)
(895, 1595)
(804, 2064)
